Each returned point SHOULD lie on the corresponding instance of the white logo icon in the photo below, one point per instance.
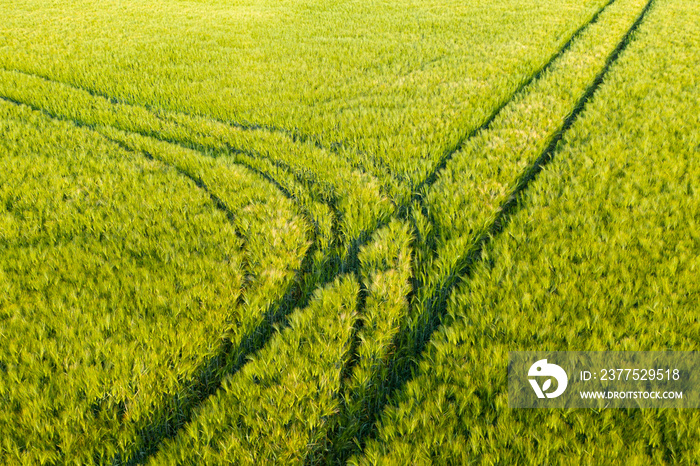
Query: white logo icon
(542, 369)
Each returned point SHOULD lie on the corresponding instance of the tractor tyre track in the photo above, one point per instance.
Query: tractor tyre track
(403, 372)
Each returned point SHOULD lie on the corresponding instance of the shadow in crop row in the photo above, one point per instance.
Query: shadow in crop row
(410, 344)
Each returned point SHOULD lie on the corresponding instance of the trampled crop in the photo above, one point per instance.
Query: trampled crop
(310, 232)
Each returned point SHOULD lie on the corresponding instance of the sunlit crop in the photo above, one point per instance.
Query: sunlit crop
(290, 232)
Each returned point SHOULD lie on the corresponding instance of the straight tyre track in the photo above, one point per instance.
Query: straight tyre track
(610, 105)
(505, 212)
(404, 213)
(432, 177)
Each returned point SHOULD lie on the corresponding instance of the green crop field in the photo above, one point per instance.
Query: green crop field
(310, 232)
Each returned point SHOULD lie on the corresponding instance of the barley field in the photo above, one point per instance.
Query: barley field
(310, 232)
